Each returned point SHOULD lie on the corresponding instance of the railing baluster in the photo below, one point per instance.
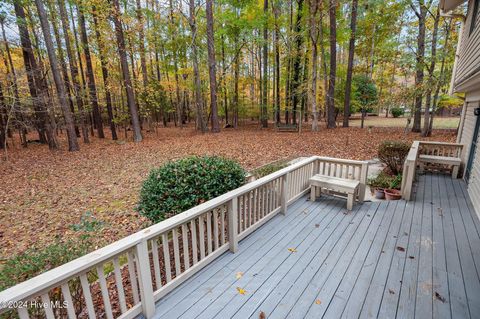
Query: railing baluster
(23, 313)
(201, 231)
(186, 250)
(68, 299)
(48, 306)
(176, 251)
(119, 283)
(209, 232)
(166, 257)
(222, 226)
(104, 290)
(215, 229)
(133, 276)
(284, 198)
(156, 264)
(87, 295)
(193, 226)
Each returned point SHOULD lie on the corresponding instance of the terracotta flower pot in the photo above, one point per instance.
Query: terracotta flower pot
(393, 194)
(379, 193)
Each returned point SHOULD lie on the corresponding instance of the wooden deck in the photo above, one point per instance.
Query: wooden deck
(383, 260)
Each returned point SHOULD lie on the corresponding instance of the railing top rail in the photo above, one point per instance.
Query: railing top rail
(440, 143)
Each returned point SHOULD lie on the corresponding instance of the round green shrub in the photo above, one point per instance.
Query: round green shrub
(397, 112)
(183, 184)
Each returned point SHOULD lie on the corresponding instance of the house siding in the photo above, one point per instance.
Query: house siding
(469, 57)
(466, 137)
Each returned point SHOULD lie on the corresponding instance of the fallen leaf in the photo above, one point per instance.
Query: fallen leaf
(391, 291)
(262, 315)
(440, 297)
(317, 225)
(318, 301)
(411, 257)
(241, 291)
(239, 275)
(292, 250)
(400, 248)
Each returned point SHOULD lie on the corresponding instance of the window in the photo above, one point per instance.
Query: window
(474, 15)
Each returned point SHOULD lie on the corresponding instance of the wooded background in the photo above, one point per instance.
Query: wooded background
(96, 67)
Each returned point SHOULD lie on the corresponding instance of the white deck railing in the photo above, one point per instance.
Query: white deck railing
(127, 277)
(425, 148)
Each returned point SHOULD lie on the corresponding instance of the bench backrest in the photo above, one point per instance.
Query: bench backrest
(347, 169)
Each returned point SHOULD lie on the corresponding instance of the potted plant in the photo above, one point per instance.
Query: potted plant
(378, 184)
(393, 192)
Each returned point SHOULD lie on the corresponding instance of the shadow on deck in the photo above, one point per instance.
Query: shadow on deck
(385, 259)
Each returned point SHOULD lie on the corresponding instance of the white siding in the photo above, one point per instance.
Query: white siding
(469, 59)
(466, 139)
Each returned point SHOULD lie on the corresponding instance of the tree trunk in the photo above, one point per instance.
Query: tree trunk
(420, 57)
(141, 40)
(103, 63)
(92, 87)
(297, 61)
(196, 73)
(431, 69)
(314, 40)
(63, 64)
(330, 105)
(264, 110)
(137, 133)
(351, 54)
(73, 69)
(212, 67)
(276, 37)
(70, 128)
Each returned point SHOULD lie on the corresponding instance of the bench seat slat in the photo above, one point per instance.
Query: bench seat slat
(440, 159)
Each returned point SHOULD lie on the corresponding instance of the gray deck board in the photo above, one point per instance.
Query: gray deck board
(383, 260)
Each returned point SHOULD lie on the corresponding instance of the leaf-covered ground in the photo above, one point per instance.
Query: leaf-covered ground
(43, 193)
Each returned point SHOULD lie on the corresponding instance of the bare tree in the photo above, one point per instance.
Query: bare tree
(333, 65)
(351, 54)
(212, 67)
(137, 133)
(314, 30)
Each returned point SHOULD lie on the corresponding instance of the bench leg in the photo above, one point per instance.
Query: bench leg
(455, 171)
(350, 201)
(312, 193)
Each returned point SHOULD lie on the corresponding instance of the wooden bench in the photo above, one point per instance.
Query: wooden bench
(340, 185)
(287, 127)
(454, 162)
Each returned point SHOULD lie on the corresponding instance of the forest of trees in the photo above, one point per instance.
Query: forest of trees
(96, 67)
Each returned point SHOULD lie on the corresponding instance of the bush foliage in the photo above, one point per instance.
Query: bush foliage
(397, 112)
(183, 184)
(393, 154)
(36, 261)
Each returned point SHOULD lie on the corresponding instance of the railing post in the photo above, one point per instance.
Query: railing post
(363, 182)
(232, 211)
(145, 280)
(283, 197)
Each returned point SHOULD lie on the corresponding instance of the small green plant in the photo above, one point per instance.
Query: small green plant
(381, 181)
(88, 223)
(397, 112)
(393, 154)
(268, 169)
(183, 184)
(396, 182)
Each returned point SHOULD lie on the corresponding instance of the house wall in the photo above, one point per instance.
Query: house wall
(467, 128)
(469, 55)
